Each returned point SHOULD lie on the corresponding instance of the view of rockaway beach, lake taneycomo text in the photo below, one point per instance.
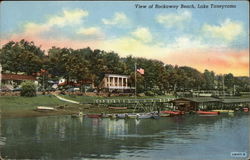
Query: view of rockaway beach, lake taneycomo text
(143, 80)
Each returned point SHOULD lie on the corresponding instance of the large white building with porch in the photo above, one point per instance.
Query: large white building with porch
(112, 82)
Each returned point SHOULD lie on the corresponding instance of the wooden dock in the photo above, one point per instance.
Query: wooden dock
(146, 105)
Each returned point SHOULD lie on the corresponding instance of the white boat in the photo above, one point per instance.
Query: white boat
(144, 116)
(121, 116)
(43, 108)
(132, 115)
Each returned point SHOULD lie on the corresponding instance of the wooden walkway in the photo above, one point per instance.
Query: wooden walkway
(146, 105)
(132, 101)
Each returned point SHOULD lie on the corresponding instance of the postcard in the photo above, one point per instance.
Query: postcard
(141, 80)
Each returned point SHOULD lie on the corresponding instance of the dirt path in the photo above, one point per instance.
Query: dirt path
(66, 100)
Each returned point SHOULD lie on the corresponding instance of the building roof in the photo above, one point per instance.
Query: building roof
(211, 99)
(17, 77)
(116, 75)
(236, 100)
(200, 99)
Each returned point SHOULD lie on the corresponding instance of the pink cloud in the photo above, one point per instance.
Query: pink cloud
(47, 44)
(230, 61)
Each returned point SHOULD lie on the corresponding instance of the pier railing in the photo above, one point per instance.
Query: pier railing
(132, 101)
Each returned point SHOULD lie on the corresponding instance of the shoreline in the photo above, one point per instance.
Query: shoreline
(61, 110)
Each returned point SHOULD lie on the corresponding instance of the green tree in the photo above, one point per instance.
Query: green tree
(209, 78)
(21, 56)
(28, 89)
(229, 80)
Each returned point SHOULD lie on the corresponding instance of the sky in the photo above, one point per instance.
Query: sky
(203, 38)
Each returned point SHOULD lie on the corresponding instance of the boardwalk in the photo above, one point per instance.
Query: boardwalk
(146, 105)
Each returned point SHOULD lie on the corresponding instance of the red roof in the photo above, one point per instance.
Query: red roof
(17, 77)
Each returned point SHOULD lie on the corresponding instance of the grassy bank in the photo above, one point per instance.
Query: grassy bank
(13, 103)
(16, 106)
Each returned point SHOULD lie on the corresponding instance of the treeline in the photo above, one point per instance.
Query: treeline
(80, 64)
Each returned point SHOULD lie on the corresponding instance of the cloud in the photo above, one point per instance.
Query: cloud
(186, 42)
(173, 20)
(65, 18)
(227, 30)
(143, 34)
(119, 18)
(91, 31)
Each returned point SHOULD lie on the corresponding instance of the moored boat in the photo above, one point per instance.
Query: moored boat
(121, 116)
(132, 115)
(94, 115)
(246, 109)
(105, 115)
(223, 111)
(173, 113)
(164, 115)
(144, 116)
(118, 108)
(208, 112)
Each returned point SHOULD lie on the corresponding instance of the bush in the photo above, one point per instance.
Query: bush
(28, 89)
(149, 93)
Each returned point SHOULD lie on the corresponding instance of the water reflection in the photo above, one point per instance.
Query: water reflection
(174, 137)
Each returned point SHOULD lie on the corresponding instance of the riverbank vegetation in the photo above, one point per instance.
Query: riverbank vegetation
(87, 64)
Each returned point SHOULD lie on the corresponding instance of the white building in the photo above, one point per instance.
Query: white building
(115, 82)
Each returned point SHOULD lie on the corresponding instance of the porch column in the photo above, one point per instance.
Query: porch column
(122, 83)
(113, 82)
(108, 84)
(118, 83)
(126, 81)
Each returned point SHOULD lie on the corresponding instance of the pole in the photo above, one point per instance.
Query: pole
(135, 79)
(223, 85)
(43, 81)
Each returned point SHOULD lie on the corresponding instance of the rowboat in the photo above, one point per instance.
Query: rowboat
(223, 111)
(118, 108)
(106, 115)
(132, 115)
(43, 108)
(144, 116)
(246, 109)
(121, 116)
(173, 113)
(208, 112)
(164, 115)
(94, 115)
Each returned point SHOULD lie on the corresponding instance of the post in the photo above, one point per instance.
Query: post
(223, 85)
(135, 79)
(43, 81)
(234, 89)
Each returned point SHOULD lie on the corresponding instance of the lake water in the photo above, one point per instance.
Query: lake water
(187, 137)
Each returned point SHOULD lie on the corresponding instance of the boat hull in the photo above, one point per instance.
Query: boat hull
(94, 115)
(146, 116)
(173, 113)
(223, 111)
(207, 112)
